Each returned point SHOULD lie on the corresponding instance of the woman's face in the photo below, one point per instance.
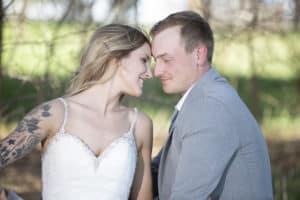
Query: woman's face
(134, 69)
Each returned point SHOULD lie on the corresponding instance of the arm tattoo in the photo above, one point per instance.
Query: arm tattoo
(25, 137)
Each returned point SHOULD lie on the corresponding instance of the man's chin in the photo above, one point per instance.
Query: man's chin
(169, 90)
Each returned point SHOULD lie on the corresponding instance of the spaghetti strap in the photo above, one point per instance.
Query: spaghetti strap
(134, 119)
(62, 129)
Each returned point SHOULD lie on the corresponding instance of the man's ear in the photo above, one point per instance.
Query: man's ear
(201, 53)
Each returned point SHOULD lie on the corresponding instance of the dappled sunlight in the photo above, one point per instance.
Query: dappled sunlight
(282, 128)
(6, 128)
(272, 55)
(32, 57)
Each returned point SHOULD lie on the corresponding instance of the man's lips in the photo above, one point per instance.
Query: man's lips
(164, 80)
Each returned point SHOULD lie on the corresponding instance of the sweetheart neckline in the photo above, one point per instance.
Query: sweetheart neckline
(86, 146)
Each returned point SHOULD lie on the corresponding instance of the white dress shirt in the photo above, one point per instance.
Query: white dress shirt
(182, 99)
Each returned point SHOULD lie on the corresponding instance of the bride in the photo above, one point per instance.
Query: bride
(93, 146)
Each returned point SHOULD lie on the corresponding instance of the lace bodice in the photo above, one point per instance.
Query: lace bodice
(71, 170)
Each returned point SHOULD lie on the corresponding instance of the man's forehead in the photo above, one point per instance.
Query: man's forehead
(166, 42)
(163, 51)
(169, 32)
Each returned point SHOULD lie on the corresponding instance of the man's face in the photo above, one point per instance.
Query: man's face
(176, 68)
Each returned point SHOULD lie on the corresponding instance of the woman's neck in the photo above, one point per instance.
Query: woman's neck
(102, 98)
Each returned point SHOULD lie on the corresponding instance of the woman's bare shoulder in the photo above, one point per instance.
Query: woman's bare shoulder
(55, 111)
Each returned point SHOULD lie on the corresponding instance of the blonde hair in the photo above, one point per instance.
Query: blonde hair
(113, 41)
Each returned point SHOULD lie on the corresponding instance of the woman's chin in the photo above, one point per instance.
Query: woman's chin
(137, 93)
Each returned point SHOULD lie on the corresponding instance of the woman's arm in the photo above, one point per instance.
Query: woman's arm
(32, 129)
(2, 194)
(142, 184)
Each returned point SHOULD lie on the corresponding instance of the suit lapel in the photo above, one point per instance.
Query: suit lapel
(193, 96)
(173, 120)
(209, 76)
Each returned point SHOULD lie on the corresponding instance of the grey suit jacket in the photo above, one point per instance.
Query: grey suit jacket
(215, 150)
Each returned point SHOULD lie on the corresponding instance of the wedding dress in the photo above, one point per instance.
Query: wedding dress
(72, 171)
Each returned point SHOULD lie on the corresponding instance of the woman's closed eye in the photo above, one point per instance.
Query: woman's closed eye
(145, 60)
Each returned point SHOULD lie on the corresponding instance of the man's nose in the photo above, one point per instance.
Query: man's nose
(158, 69)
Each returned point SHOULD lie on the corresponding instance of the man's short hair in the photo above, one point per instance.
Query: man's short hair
(194, 30)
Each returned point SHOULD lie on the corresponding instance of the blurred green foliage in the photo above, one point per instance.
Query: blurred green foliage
(40, 57)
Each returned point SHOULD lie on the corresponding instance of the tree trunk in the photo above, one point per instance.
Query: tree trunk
(296, 28)
(1, 36)
(1, 39)
(206, 9)
(298, 90)
(119, 10)
(297, 14)
(203, 6)
(255, 87)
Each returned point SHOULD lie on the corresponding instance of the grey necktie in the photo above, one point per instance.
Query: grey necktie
(173, 119)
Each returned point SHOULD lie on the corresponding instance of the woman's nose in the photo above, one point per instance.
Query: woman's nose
(148, 73)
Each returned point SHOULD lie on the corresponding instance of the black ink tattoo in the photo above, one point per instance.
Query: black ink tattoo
(25, 137)
(11, 141)
(46, 109)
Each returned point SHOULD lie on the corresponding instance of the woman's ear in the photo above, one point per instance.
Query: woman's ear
(115, 62)
(111, 70)
(119, 63)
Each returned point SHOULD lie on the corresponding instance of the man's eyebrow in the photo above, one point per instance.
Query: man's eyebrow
(161, 55)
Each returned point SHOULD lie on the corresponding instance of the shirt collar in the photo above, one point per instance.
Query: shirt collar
(182, 99)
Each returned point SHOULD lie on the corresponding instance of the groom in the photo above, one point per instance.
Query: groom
(215, 148)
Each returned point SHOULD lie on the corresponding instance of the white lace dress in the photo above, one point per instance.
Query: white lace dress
(71, 171)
